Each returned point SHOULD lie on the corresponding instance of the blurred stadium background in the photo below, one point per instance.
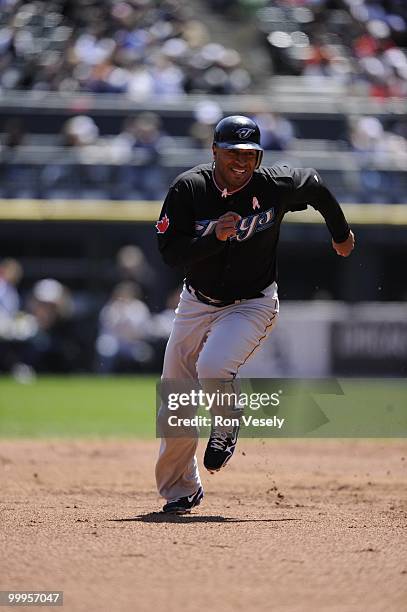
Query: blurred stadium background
(103, 103)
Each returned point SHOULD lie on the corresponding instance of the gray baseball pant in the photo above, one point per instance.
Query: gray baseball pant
(206, 342)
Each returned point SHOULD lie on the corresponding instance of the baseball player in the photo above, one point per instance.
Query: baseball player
(221, 221)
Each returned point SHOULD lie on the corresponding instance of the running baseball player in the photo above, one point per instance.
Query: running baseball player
(221, 221)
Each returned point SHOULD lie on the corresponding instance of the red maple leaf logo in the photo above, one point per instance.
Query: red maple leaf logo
(162, 225)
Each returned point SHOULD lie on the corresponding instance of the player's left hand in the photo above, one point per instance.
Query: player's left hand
(345, 248)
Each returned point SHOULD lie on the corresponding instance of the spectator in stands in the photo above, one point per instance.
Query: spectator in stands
(11, 273)
(13, 134)
(87, 173)
(140, 48)
(81, 133)
(133, 266)
(162, 324)
(13, 174)
(16, 326)
(358, 44)
(57, 345)
(124, 332)
(207, 113)
(375, 146)
(137, 152)
(277, 132)
(217, 70)
(164, 320)
(168, 78)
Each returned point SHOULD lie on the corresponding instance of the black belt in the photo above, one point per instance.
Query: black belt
(205, 299)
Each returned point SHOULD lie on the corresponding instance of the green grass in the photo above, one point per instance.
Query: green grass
(364, 408)
(124, 406)
(78, 406)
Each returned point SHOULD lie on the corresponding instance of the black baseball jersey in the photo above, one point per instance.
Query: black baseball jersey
(242, 266)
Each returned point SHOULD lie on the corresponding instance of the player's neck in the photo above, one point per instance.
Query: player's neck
(223, 187)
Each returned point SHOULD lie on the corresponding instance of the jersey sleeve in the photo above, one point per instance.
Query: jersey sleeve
(176, 230)
(307, 188)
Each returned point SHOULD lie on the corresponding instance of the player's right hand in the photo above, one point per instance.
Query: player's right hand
(344, 249)
(226, 225)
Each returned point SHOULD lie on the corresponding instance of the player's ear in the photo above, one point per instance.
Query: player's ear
(214, 150)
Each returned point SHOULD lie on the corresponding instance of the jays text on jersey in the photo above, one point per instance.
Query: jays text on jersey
(244, 265)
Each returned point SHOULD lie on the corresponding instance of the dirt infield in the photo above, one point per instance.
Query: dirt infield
(288, 525)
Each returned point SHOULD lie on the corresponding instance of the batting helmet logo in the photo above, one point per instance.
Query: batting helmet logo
(245, 133)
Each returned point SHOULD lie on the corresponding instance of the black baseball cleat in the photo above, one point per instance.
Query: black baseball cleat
(184, 505)
(220, 448)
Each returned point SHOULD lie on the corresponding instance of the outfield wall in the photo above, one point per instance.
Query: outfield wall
(321, 338)
(77, 242)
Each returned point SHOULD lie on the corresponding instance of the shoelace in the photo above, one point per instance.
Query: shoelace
(218, 440)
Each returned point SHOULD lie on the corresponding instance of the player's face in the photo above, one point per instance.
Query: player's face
(234, 167)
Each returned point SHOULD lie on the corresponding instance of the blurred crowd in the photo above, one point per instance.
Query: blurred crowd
(81, 162)
(360, 43)
(157, 47)
(140, 161)
(145, 48)
(138, 47)
(52, 329)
